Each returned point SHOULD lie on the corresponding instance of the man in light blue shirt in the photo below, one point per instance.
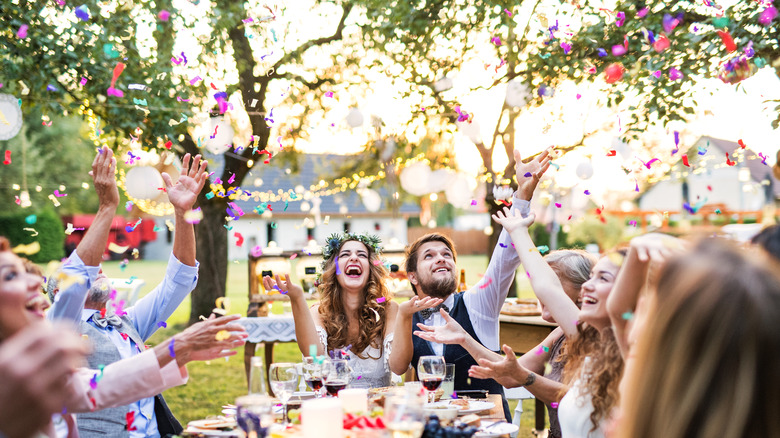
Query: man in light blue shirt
(120, 336)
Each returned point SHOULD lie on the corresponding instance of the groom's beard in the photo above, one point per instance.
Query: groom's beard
(439, 287)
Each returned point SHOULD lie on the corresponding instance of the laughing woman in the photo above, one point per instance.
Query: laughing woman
(355, 314)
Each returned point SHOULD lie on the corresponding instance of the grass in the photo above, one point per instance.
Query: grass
(219, 382)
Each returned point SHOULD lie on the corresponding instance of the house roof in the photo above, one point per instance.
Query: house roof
(759, 171)
(313, 168)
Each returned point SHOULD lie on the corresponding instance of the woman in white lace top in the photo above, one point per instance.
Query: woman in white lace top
(355, 315)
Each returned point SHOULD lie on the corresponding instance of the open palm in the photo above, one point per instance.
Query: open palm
(512, 219)
(529, 173)
(184, 193)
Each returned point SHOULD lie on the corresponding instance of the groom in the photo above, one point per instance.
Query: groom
(430, 266)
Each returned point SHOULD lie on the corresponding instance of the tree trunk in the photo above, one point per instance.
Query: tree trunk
(212, 241)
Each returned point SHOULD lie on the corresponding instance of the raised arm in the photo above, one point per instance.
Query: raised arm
(305, 331)
(544, 281)
(92, 246)
(488, 296)
(622, 301)
(183, 195)
(403, 349)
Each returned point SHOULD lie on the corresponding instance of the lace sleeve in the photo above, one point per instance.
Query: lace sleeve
(386, 348)
(323, 337)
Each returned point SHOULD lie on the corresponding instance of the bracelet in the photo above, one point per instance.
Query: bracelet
(171, 350)
(530, 379)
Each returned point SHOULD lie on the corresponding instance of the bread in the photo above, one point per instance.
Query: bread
(472, 420)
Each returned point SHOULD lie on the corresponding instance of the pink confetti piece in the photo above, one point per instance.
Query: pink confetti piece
(257, 251)
(164, 15)
(558, 204)
(112, 91)
(294, 256)
(473, 202)
(381, 300)
(22, 32)
(195, 79)
(487, 283)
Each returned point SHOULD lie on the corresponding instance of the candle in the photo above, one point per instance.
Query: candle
(354, 399)
(323, 418)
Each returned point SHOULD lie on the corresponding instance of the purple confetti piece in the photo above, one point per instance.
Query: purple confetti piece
(528, 175)
(587, 192)
(602, 53)
(502, 245)
(162, 324)
(82, 13)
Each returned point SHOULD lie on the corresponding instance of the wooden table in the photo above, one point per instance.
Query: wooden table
(523, 334)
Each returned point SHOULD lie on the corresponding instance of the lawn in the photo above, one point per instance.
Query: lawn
(219, 382)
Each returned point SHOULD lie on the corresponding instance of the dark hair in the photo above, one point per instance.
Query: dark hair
(769, 240)
(413, 249)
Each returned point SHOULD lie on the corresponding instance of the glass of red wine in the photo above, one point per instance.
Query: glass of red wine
(431, 371)
(335, 375)
(312, 374)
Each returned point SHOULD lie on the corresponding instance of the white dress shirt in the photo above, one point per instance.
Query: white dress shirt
(485, 299)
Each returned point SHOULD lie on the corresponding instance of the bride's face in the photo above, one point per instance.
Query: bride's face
(17, 289)
(353, 266)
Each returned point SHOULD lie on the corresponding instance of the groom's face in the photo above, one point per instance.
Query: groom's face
(435, 275)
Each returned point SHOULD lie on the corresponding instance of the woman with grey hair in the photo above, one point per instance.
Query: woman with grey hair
(530, 370)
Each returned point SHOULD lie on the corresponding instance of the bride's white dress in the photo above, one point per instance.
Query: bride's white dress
(367, 373)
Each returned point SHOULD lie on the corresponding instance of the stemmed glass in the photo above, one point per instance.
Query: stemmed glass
(284, 380)
(404, 417)
(335, 375)
(254, 414)
(431, 371)
(312, 374)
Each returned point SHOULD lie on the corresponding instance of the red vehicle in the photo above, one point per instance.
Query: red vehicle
(123, 233)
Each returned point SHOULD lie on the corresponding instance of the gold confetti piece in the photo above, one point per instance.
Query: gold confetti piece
(113, 247)
(54, 200)
(223, 335)
(135, 253)
(70, 229)
(170, 225)
(32, 230)
(327, 219)
(193, 216)
(223, 303)
(29, 249)
(219, 311)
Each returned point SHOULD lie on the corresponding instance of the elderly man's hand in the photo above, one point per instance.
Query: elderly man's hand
(103, 177)
(191, 180)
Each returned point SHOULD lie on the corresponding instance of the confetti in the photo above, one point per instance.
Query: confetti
(558, 205)
(612, 153)
(28, 249)
(171, 349)
(32, 230)
(381, 300)
(115, 248)
(164, 15)
(543, 249)
(130, 419)
(628, 316)
(294, 256)
(112, 91)
(239, 238)
(31, 219)
(22, 32)
(162, 324)
(193, 216)
(633, 223)
(7, 160)
(685, 161)
(257, 251)
(82, 13)
(58, 194)
(487, 283)
(131, 279)
(222, 335)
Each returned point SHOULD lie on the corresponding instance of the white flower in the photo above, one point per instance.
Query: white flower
(502, 193)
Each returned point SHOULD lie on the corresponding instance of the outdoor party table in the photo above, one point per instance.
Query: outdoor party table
(496, 413)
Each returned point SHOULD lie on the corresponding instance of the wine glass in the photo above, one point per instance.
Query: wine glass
(404, 417)
(312, 374)
(257, 376)
(284, 379)
(431, 371)
(335, 375)
(254, 414)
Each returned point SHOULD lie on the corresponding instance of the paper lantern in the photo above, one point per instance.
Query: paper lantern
(440, 179)
(354, 118)
(459, 193)
(11, 121)
(470, 130)
(143, 182)
(614, 72)
(371, 200)
(220, 136)
(584, 170)
(442, 84)
(517, 94)
(414, 178)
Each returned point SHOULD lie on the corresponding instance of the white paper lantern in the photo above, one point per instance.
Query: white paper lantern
(584, 170)
(517, 94)
(414, 178)
(355, 118)
(470, 130)
(459, 193)
(371, 200)
(443, 84)
(440, 179)
(223, 136)
(143, 182)
(11, 122)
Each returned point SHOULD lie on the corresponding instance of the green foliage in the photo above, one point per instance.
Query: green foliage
(51, 234)
(540, 235)
(591, 229)
(50, 157)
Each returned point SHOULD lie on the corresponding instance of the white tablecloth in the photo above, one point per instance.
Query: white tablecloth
(277, 328)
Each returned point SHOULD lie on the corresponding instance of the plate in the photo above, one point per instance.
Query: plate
(212, 424)
(474, 406)
(502, 428)
(303, 395)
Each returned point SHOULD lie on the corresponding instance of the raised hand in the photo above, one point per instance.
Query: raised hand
(210, 339)
(506, 371)
(512, 219)
(286, 287)
(528, 174)
(656, 247)
(191, 181)
(449, 333)
(102, 173)
(414, 305)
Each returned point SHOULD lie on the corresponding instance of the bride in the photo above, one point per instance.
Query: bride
(355, 316)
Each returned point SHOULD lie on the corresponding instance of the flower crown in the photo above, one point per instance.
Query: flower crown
(335, 241)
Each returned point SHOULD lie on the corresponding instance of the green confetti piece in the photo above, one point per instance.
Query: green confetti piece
(273, 225)
(543, 249)
(313, 350)
(209, 195)
(628, 316)
(31, 219)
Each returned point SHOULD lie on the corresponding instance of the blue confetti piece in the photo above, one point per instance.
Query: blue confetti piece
(162, 324)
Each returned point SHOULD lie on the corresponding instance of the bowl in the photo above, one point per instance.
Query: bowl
(445, 413)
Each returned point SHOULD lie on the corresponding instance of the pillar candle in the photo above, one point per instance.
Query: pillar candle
(323, 418)
(354, 399)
